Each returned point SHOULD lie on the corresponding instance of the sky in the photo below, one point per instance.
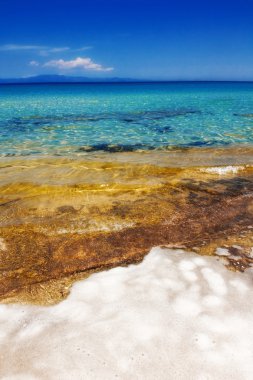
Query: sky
(140, 39)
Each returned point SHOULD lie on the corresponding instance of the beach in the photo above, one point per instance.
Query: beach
(176, 315)
(77, 217)
(126, 217)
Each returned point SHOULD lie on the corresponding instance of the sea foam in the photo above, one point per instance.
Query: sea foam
(222, 170)
(174, 316)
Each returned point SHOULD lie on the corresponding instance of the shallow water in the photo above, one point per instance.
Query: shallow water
(62, 218)
(67, 119)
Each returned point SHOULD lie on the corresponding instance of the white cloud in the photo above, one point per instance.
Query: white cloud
(58, 49)
(42, 50)
(83, 48)
(51, 50)
(9, 47)
(34, 63)
(48, 51)
(82, 63)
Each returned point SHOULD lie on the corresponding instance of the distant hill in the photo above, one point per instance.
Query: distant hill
(72, 79)
(62, 79)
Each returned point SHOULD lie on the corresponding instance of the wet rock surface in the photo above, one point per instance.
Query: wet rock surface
(54, 233)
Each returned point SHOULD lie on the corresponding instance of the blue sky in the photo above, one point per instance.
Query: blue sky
(150, 39)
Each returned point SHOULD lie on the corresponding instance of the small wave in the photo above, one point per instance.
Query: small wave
(223, 170)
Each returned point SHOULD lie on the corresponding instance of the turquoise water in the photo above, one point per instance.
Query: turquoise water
(73, 118)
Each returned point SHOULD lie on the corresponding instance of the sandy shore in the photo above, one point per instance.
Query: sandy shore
(174, 316)
(64, 218)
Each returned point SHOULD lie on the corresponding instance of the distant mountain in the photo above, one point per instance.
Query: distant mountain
(72, 79)
(63, 79)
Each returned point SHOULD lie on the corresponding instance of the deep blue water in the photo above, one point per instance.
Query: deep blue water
(70, 118)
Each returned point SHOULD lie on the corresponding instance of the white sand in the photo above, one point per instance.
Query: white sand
(174, 316)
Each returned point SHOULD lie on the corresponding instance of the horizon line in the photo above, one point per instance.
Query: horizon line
(137, 81)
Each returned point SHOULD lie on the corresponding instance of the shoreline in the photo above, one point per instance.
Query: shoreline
(174, 157)
(80, 216)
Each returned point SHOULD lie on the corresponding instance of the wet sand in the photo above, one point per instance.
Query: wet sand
(65, 218)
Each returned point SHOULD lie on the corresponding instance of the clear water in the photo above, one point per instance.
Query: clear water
(70, 118)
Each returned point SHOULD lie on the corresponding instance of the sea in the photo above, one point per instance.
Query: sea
(67, 119)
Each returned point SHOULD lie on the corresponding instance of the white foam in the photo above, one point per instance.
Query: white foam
(222, 252)
(174, 316)
(222, 170)
(96, 228)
